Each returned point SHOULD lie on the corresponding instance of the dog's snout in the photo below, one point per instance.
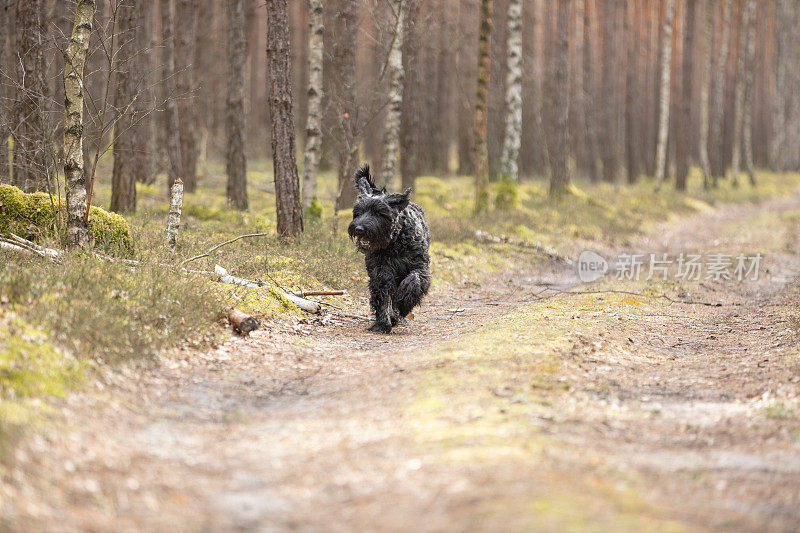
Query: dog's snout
(358, 230)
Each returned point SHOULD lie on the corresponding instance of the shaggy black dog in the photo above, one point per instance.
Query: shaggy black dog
(393, 235)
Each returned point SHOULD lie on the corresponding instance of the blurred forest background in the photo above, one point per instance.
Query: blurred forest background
(607, 90)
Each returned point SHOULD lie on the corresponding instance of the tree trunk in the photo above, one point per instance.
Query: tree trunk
(287, 185)
(741, 107)
(704, 91)
(739, 103)
(632, 128)
(391, 133)
(171, 125)
(141, 69)
(313, 151)
(186, 13)
(589, 91)
(513, 137)
(717, 160)
(5, 176)
(30, 162)
(409, 119)
(480, 152)
(682, 140)
(663, 118)
(783, 35)
(749, 71)
(611, 74)
(235, 162)
(344, 62)
(123, 177)
(560, 178)
(74, 61)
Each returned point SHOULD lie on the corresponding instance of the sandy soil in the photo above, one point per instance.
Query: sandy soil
(671, 415)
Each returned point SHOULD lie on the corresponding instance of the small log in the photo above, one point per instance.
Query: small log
(174, 217)
(306, 305)
(241, 322)
(322, 293)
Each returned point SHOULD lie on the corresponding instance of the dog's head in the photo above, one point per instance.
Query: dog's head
(376, 215)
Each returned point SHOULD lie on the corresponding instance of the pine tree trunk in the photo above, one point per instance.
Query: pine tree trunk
(123, 177)
(716, 141)
(313, 151)
(611, 73)
(747, 134)
(186, 14)
(779, 111)
(30, 164)
(589, 91)
(663, 119)
(409, 119)
(287, 185)
(171, 126)
(344, 63)
(235, 162)
(391, 133)
(631, 94)
(741, 86)
(75, 182)
(560, 178)
(5, 176)
(141, 69)
(480, 152)
(513, 136)
(704, 91)
(682, 140)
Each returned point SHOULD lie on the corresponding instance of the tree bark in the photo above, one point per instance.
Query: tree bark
(749, 72)
(171, 125)
(30, 164)
(611, 74)
(779, 111)
(313, 151)
(287, 186)
(5, 175)
(739, 103)
(409, 119)
(123, 177)
(235, 161)
(663, 119)
(632, 128)
(560, 178)
(704, 92)
(174, 215)
(716, 142)
(142, 65)
(391, 131)
(685, 126)
(589, 91)
(344, 64)
(74, 62)
(186, 13)
(513, 124)
(480, 152)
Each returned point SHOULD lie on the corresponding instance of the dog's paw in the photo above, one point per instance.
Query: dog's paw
(399, 321)
(380, 328)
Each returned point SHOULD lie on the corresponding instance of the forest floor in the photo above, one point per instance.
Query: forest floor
(522, 401)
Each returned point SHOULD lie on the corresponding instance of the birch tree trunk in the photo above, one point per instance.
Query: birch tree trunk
(663, 118)
(513, 136)
(589, 90)
(391, 133)
(741, 83)
(559, 178)
(74, 61)
(313, 151)
(704, 90)
(409, 118)
(287, 185)
(186, 13)
(717, 159)
(235, 161)
(123, 177)
(685, 126)
(171, 125)
(480, 152)
(30, 139)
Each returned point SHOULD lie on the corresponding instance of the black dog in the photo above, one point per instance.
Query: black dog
(394, 237)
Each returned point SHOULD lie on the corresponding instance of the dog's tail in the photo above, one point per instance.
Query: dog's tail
(364, 181)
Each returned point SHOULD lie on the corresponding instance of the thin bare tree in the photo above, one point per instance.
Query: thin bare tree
(235, 161)
(664, 90)
(513, 122)
(287, 185)
(391, 130)
(480, 152)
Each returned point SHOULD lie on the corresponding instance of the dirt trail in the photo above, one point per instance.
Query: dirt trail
(661, 421)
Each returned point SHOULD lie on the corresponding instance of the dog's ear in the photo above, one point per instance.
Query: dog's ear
(398, 200)
(363, 180)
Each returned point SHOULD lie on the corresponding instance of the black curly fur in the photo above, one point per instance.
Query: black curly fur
(393, 235)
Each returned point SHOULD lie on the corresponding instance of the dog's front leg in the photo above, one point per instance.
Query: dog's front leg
(381, 303)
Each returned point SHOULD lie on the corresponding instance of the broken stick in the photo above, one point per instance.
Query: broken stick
(241, 322)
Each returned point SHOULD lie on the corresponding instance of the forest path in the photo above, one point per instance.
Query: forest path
(592, 411)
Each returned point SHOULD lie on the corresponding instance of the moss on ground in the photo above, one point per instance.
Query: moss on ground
(36, 216)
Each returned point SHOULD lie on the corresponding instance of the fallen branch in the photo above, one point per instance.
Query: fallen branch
(220, 245)
(308, 306)
(11, 247)
(539, 247)
(241, 322)
(321, 293)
